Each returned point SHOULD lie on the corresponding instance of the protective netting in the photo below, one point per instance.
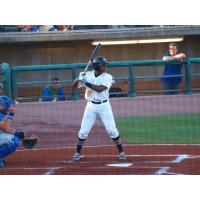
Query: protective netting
(148, 120)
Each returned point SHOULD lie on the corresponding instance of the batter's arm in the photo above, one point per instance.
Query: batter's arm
(97, 88)
(5, 125)
(75, 84)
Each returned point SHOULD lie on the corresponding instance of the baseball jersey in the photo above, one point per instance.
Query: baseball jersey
(104, 79)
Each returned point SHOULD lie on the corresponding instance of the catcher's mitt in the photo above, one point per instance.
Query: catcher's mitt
(29, 141)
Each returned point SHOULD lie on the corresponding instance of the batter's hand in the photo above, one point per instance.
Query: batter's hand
(81, 77)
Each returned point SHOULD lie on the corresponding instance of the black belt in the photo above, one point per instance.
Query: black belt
(98, 102)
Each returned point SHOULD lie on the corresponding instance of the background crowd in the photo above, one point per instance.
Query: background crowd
(46, 28)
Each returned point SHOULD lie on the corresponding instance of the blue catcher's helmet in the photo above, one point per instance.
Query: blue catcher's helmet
(98, 61)
(6, 102)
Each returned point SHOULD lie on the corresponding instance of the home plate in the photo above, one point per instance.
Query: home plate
(119, 165)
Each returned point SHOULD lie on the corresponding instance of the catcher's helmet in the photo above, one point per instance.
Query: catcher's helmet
(5, 101)
(98, 61)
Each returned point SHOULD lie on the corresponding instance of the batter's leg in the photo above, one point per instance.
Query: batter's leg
(87, 123)
(107, 118)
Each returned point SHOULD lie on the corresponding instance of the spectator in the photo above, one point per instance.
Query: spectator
(171, 84)
(53, 91)
(60, 27)
(26, 28)
(46, 28)
(70, 27)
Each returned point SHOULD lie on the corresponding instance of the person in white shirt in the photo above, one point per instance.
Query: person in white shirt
(97, 84)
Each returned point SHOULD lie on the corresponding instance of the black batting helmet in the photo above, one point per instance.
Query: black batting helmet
(98, 61)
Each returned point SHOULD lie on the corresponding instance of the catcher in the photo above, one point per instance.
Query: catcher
(10, 139)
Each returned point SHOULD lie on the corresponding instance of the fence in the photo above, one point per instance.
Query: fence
(11, 81)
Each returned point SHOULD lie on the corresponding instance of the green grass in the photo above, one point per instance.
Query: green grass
(180, 128)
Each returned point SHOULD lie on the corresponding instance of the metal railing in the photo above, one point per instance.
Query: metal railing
(11, 81)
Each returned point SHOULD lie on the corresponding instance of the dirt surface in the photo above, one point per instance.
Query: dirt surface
(103, 160)
(57, 125)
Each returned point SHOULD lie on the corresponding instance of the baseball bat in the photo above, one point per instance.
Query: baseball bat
(94, 53)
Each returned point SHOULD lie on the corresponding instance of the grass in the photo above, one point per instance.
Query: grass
(162, 129)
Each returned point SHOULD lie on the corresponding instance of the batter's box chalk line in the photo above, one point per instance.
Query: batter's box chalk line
(119, 164)
(165, 169)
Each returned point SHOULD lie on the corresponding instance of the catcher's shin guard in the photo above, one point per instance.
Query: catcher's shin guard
(8, 144)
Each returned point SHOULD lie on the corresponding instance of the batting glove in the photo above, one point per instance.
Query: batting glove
(81, 78)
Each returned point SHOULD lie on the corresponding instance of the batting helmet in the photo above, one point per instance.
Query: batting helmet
(98, 61)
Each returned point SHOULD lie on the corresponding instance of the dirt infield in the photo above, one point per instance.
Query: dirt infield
(57, 125)
(103, 160)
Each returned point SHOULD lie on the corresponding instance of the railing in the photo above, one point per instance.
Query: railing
(11, 81)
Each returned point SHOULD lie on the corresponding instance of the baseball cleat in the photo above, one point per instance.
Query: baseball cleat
(122, 156)
(76, 156)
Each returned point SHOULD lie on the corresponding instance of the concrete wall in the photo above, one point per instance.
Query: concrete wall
(69, 52)
(79, 51)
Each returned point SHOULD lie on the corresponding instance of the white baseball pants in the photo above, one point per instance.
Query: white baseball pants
(104, 111)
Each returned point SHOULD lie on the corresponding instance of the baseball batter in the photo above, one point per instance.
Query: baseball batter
(97, 84)
(10, 138)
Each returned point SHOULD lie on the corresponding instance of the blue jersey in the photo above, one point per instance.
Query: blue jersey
(172, 69)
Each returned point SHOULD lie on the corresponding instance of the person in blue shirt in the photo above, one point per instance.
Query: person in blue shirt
(171, 84)
(53, 91)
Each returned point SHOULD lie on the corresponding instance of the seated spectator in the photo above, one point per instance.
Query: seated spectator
(53, 91)
(26, 28)
(46, 28)
(63, 27)
(70, 27)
